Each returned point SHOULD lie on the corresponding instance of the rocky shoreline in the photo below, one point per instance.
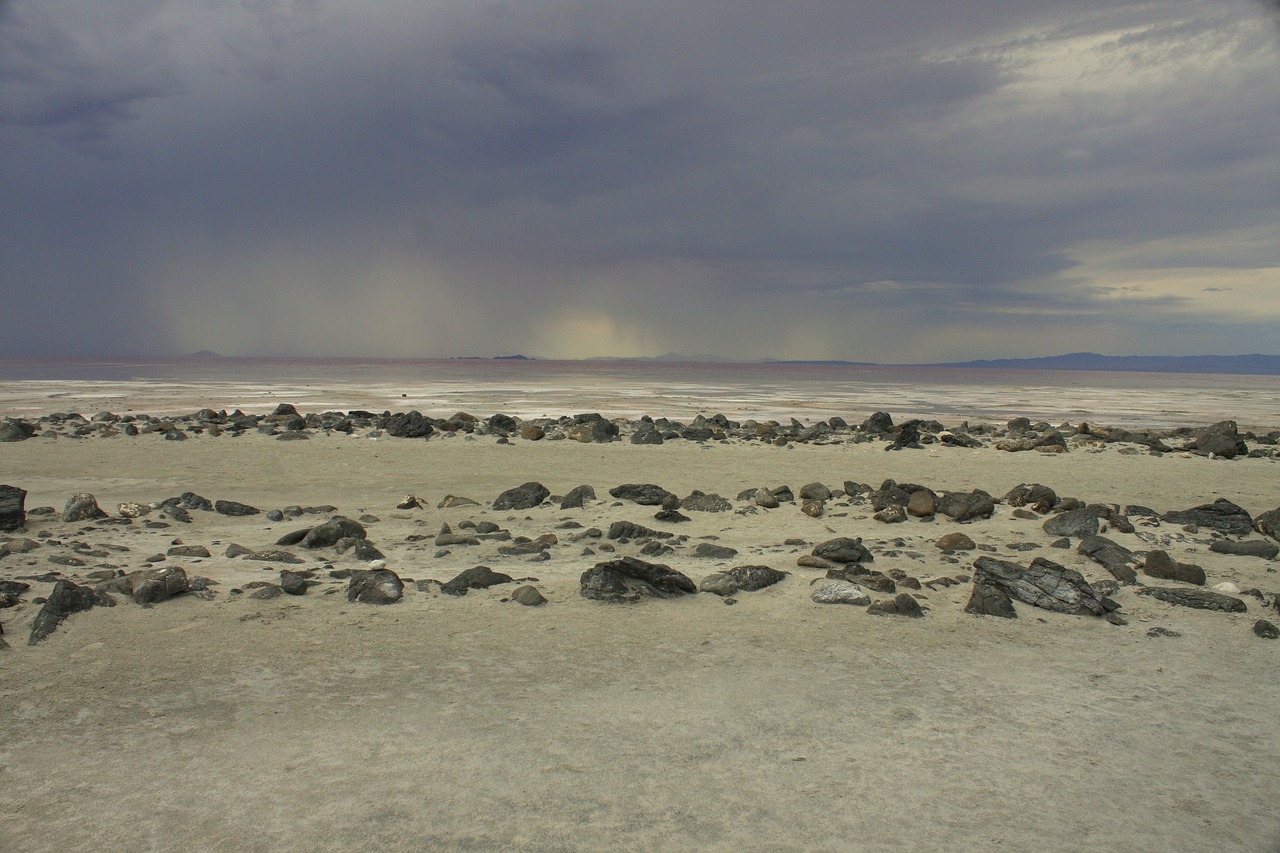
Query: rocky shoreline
(56, 563)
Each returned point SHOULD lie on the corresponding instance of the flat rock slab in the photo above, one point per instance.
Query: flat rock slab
(1221, 515)
(629, 579)
(840, 592)
(1043, 584)
(1201, 599)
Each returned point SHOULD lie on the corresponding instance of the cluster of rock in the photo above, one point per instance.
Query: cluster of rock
(847, 562)
(1221, 440)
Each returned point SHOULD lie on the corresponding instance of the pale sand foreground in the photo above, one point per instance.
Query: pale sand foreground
(776, 724)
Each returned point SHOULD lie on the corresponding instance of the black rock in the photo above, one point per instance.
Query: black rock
(526, 496)
(1033, 496)
(630, 530)
(1043, 584)
(1268, 524)
(903, 604)
(13, 513)
(577, 497)
(645, 494)
(480, 577)
(1220, 439)
(151, 586)
(966, 506)
(328, 534)
(671, 516)
(1266, 630)
(16, 430)
(752, 578)
(361, 549)
(234, 508)
(375, 586)
(1201, 599)
(528, 595)
(880, 423)
(1221, 515)
(647, 433)
(843, 550)
(294, 538)
(990, 600)
(1077, 523)
(712, 551)
(82, 507)
(628, 579)
(1160, 565)
(1116, 558)
(1246, 548)
(294, 583)
(699, 502)
(408, 425)
(65, 599)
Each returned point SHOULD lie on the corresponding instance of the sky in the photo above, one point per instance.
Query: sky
(867, 180)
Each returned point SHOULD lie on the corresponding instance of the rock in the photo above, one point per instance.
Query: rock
(1077, 523)
(1221, 515)
(1043, 584)
(16, 430)
(1034, 496)
(646, 433)
(151, 586)
(11, 592)
(990, 600)
(966, 506)
(766, 499)
(1246, 548)
(234, 508)
(408, 425)
(375, 586)
(630, 530)
(65, 599)
(578, 497)
(13, 513)
(1201, 599)
(132, 509)
(408, 502)
(815, 492)
(449, 540)
(628, 579)
(82, 506)
(843, 550)
(1268, 524)
(880, 424)
(533, 432)
(188, 551)
(699, 502)
(1266, 630)
(1116, 558)
(840, 592)
(1221, 439)
(294, 583)
(327, 535)
(752, 578)
(526, 496)
(892, 514)
(922, 503)
(718, 584)
(361, 549)
(813, 509)
(528, 595)
(955, 542)
(594, 431)
(903, 604)
(1160, 565)
(454, 501)
(712, 551)
(645, 494)
(480, 577)
(1162, 632)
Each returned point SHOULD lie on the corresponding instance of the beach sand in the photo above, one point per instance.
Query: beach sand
(473, 723)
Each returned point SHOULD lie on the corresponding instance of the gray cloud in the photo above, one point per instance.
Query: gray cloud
(570, 178)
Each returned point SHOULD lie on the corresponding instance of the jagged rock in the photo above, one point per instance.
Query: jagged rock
(712, 551)
(645, 494)
(13, 513)
(628, 578)
(840, 592)
(375, 586)
(880, 423)
(903, 604)
(65, 599)
(630, 530)
(407, 502)
(843, 550)
(480, 577)
(528, 595)
(361, 549)
(327, 535)
(11, 592)
(1034, 496)
(16, 430)
(990, 600)
(1043, 584)
(526, 496)
(132, 509)
(1221, 515)
(1201, 599)
(408, 425)
(1114, 557)
(752, 578)
(955, 542)
(1077, 523)
(454, 501)
(1220, 439)
(647, 433)
(1160, 565)
(892, 514)
(82, 506)
(597, 430)
(698, 502)
(577, 497)
(1246, 548)
(234, 508)
(966, 506)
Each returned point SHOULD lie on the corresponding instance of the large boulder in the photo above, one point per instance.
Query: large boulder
(65, 599)
(1221, 515)
(151, 586)
(628, 579)
(578, 497)
(966, 506)
(526, 496)
(843, 550)
(1160, 565)
(82, 506)
(375, 586)
(327, 535)
(990, 600)
(408, 425)
(1076, 523)
(1220, 439)
(16, 430)
(13, 511)
(1043, 584)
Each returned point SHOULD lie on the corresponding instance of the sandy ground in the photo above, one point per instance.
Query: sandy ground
(476, 724)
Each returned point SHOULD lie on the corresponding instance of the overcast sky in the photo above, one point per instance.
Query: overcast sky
(869, 180)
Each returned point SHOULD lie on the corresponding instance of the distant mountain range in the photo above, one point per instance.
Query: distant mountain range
(1255, 364)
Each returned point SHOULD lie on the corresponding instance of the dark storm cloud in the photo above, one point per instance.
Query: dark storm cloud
(579, 178)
